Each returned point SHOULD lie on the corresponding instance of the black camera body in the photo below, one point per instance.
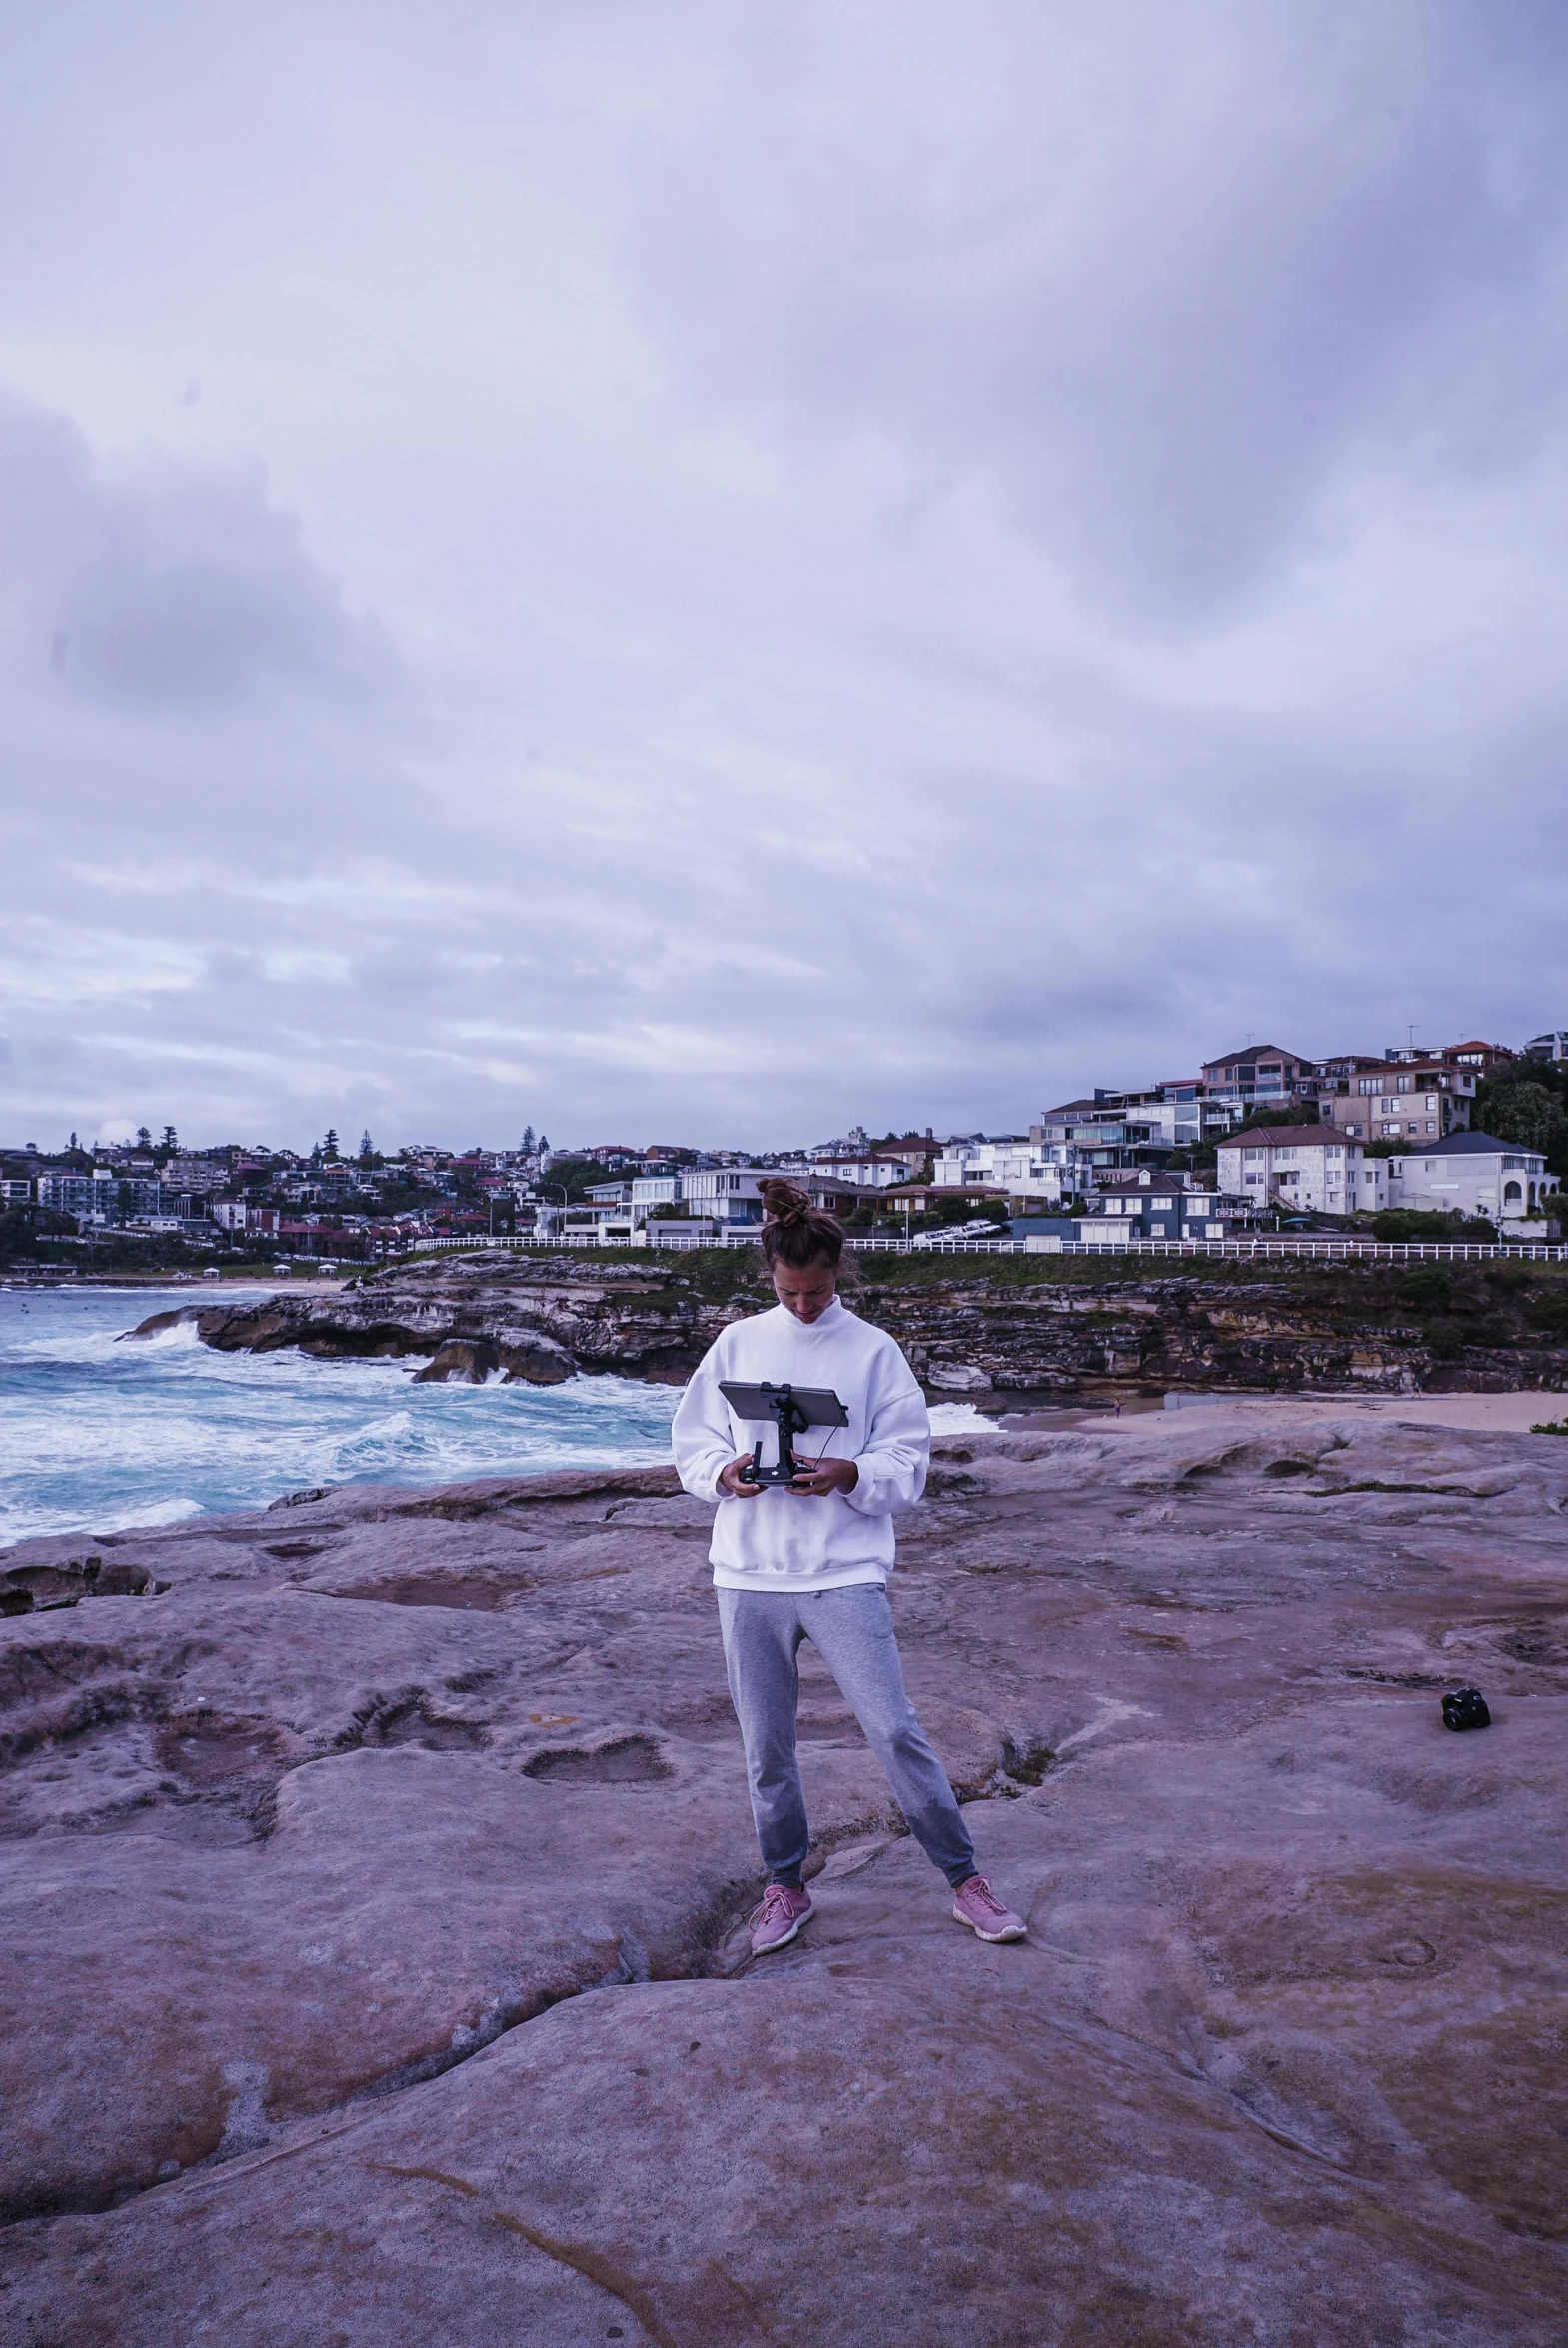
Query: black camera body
(1465, 1707)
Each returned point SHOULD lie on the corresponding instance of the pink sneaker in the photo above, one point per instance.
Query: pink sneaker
(778, 1918)
(976, 1904)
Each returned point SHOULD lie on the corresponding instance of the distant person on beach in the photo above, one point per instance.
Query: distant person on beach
(810, 1561)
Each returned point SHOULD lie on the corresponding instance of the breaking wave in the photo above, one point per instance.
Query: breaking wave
(101, 1436)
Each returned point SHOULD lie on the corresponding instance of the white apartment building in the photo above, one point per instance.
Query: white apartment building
(867, 1170)
(1474, 1174)
(1013, 1162)
(653, 1190)
(730, 1194)
(197, 1176)
(102, 1192)
(1310, 1169)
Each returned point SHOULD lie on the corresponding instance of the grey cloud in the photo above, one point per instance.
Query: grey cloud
(926, 564)
(1156, 288)
(167, 586)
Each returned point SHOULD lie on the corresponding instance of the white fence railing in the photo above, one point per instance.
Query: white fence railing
(683, 1244)
(1341, 1251)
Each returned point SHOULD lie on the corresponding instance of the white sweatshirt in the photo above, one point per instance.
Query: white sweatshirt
(780, 1540)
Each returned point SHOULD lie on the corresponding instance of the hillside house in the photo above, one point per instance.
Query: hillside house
(1474, 1174)
(1147, 1206)
(1307, 1169)
(1399, 1099)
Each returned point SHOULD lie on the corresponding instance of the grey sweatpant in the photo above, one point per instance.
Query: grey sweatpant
(851, 1629)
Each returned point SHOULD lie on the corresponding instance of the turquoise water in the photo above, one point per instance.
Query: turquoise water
(96, 1435)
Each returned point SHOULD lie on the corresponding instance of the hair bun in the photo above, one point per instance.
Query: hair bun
(795, 1233)
(786, 1202)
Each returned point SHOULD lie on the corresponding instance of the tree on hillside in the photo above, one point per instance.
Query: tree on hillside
(367, 1146)
(1295, 1113)
(144, 1139)
(573, 1175)
(171, 1140)
(329, 1148)
(528, 1141)
(1527, 1103)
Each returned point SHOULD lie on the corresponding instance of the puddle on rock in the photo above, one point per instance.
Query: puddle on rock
(412, 1724)
(207, 1749)
(471, 1593)
(631, 1760)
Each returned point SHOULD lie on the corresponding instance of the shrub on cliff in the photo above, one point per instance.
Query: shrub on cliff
(1402, 1226)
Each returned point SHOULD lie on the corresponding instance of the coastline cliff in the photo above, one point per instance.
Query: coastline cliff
(1021, 1326)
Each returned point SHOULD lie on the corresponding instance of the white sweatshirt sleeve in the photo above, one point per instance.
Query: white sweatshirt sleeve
(898, 1446)
(702, 1433)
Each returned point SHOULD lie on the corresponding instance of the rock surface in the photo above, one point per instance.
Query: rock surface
(1031, 1324)
(313, 1845)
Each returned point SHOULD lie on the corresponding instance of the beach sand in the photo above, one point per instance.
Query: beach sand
(1477, 1413)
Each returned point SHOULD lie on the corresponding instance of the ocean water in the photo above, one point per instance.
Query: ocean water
(96, 1435)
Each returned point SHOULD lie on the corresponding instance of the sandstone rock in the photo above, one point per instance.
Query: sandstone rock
(459, 1361)
(959, 1377)
(309, 1858)
(535, 1360)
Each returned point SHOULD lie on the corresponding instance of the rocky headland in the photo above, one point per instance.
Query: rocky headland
(1015, 1326)
(372, 1869)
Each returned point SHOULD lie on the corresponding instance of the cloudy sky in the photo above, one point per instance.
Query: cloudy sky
(707, 572)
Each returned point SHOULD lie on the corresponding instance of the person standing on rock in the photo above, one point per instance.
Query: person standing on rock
(810, 1561)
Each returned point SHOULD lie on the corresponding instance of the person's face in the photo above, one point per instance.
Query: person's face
(806, 1293)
